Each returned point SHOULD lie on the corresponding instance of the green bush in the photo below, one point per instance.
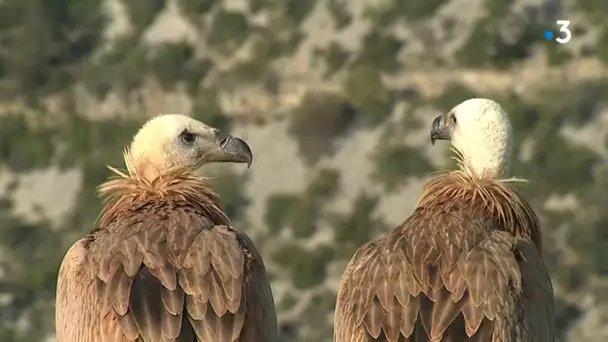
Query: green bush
(301, 213)
(487, 47)
(45, 43)
(92, 146)
(208, 110)
(318, 121)
(21, 147)
(297, 10)
(122, 68)
(358, 226)
(566, 315)
(556, 55)
(453, 94)
(407, 11)
(334, 56)
(229, 29)
(306, 268)
(233, 201)
(601, 50)
(315, 315)
(298, 213)
(379, 51)
(395, 163)
(142, 14)
(287, 302)
(594, 10)
(278, 209)
(304, 218)
(255, 6)
(341, 15)
(175, 62)
(325, 185)
(598, 244)
(197, 7)
(364, 90)
(583, 102)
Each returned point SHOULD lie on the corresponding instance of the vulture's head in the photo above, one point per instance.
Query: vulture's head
(479, 129)
(174, 140)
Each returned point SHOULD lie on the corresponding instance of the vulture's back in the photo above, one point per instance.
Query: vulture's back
(164, 270)
(453, 271)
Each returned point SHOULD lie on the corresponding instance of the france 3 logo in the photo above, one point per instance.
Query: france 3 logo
(564, 33)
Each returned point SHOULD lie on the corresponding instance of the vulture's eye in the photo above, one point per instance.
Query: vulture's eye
(187, 137)
(453, 119)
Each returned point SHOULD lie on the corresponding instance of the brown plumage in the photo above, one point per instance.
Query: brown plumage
(163, 264)
(465, 266)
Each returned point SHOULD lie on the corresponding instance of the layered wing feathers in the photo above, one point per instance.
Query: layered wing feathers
(439, 277)
(170, 274)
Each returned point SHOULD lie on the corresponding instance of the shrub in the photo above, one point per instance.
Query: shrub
(453, 94)
(334, 56)
(306, 268)
(341, 15)
(487, 47)
(229, 29)
(297, 10)
(379, 51)
(287, 302)
(122, 68)
(255, 6)
(394, 11)
(46, 42)
(318, 121)
(595, 11)
(325, 185)
(21, 147)
(208, 110)
(142, 14)
(175, 62)
(302, 213)
(278, 210)
(566, 315)
(357, 227)
(602, 48)
(233, 201)
(298, 213)
(395, 163)
(364, 89)
(304, 218)
(197, 7)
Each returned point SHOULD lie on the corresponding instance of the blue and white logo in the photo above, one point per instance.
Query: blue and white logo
(563, 29)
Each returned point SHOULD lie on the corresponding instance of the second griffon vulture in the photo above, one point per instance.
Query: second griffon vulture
(466, 265)
(164, 263)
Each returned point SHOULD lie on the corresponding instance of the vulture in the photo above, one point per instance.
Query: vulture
(163, 262)
(467, 264)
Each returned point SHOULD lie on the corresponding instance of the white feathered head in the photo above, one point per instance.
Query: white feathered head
(175, 140)
(480, 131)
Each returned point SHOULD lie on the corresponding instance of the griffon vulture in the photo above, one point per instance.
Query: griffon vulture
(163, 262)
(466, 265)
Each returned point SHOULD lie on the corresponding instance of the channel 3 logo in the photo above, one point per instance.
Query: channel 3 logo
(564, 32)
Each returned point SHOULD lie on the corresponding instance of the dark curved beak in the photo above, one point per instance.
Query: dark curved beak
(230, 149)
(439, 129)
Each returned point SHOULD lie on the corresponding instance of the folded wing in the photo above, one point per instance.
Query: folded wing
(178, 277)
(441, 287)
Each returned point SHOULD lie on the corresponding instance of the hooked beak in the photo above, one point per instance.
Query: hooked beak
(439, 129)
(230, 149)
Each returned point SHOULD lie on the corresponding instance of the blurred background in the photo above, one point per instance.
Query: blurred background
(335, 97)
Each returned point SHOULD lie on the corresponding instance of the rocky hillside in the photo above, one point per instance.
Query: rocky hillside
(335, 97)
